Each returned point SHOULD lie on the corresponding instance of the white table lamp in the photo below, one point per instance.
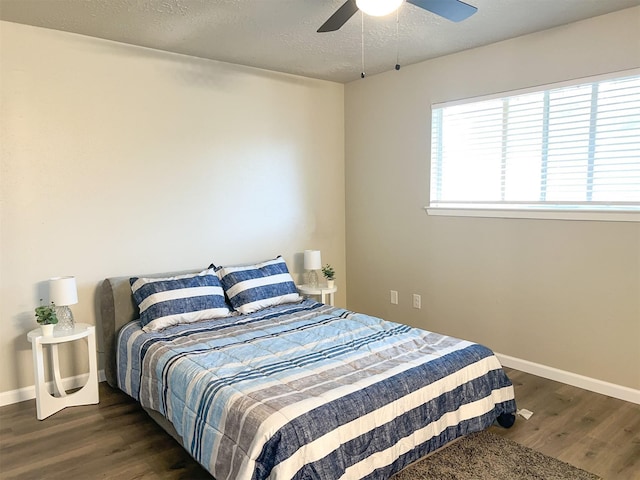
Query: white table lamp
(63, 292)
(312, 262)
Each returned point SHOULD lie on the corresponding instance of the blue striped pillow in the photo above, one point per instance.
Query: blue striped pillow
(253, 287)
(181, 299)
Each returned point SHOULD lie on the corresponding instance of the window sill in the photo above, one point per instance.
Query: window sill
(541, 214)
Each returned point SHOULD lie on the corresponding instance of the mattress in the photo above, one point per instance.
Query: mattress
(306, 390)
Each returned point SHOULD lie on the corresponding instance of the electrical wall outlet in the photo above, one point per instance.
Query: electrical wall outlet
(394, 297)
(417, 301)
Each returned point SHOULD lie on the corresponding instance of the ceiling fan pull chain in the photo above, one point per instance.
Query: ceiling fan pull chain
(362, 74)
(398, 39)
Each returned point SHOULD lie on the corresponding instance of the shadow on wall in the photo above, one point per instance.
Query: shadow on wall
(25, 322)
(193, 71)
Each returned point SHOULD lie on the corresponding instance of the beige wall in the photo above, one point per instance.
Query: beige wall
(564, 294)
(120, 160)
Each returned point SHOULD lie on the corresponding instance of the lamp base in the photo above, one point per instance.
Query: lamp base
(65, 319)
(313, 279)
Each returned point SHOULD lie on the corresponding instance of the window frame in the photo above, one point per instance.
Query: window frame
(620, 212)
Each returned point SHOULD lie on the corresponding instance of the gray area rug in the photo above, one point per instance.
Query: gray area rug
(485, 455)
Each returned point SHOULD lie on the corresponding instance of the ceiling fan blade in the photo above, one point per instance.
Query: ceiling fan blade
(340, 17)
(453, 10)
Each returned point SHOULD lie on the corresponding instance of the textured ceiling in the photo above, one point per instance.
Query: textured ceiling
(281, 35)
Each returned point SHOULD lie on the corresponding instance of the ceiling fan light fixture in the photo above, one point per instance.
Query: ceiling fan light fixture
(378, 8)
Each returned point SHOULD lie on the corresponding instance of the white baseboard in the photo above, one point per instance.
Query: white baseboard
(29, 393)
(587, 383)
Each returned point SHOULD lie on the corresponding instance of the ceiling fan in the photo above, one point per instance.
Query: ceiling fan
(453, 10)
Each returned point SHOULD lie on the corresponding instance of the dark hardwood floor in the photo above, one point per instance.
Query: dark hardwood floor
(116, 439)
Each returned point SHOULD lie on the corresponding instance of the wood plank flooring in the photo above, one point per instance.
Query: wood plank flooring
(594, 432)
(116, 439)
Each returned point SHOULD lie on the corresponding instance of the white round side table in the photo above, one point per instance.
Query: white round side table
(47, 404)
(321, 290)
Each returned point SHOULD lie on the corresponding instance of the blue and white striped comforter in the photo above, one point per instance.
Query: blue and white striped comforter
(307, 391)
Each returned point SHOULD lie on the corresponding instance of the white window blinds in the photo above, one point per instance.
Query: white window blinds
(573, 147)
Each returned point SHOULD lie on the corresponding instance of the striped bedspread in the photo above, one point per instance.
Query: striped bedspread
(309, 391)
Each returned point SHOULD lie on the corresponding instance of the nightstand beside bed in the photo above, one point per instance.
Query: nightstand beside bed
(47, 404)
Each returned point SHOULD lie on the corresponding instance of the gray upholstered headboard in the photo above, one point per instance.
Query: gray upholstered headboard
(117, 308)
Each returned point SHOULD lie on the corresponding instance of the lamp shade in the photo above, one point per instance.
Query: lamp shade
(63, 291)
(378, 8)
(312, 260)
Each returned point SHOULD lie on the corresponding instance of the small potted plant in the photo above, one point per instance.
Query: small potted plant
(330, 274)
(46, 318)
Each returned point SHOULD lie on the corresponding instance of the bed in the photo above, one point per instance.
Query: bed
(299, 389)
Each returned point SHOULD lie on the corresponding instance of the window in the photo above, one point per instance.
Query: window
(570, 151)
